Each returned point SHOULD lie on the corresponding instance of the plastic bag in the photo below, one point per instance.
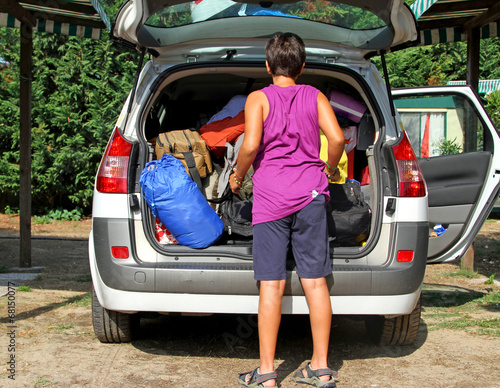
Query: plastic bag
(176, 201)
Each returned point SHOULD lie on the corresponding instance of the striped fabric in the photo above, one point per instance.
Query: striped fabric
(42, 25)
(454, 34)
(98, 7)
(451, 34)
(485, 86)
(420, 6)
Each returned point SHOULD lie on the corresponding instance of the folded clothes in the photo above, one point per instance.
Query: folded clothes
(231, 109)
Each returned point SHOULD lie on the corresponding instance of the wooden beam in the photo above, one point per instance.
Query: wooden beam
(62, 5)
(473, 47)
(472, 78)
(15, 9)
(25, 144)
(458, 6)
(442, 23)
(467, 261)
(491, 15)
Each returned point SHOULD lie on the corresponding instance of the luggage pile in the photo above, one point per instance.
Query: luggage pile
(187, 186)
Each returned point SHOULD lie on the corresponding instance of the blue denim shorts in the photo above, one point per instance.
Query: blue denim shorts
(306, 232)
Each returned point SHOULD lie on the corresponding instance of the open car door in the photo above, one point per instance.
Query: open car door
(458, 150)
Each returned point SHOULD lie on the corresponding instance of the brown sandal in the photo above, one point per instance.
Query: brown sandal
(256, 379)
(313, 377)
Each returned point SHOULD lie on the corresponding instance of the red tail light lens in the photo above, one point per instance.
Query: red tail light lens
(411, 180)
(112, 175)
(119, 252)
(405, 256)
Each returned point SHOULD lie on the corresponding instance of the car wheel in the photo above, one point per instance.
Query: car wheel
(112, 326)
(400, 330)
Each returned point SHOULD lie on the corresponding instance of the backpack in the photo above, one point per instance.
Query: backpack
(348, 215)
(235, 210)
(187, 146)
(236, 213)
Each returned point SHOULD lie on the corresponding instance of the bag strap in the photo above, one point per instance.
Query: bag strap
(188, 141)
(169, 144)
(193, 170)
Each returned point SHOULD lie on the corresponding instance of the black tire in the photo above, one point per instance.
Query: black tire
(112, 326)
(400, 330)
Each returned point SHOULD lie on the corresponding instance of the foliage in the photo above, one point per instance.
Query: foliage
(337, 14)
(427, 65)
(9, 211)
(59, 215)
(79, 87)
(491, 279)
(176, 15)
(24, 288)
(447, 147)
(493, 107)
(440, 63)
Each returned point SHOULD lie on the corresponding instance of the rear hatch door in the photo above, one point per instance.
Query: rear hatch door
(206, 30)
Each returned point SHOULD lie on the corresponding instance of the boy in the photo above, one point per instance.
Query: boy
(290, 189)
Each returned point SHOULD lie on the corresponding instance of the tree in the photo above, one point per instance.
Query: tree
(79, 87)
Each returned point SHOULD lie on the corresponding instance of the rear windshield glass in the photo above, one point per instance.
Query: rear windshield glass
(315, 10)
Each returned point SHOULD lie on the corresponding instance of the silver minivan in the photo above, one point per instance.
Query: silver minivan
(204, 53)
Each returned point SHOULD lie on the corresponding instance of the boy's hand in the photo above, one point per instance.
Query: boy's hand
(235, 188)
(332, 177)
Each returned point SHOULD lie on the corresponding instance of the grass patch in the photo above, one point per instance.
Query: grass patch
(4, 268)
(462, 272)
(43, 382)
(83, 278)
(79, 301)
(465, 311)
(24, 288)
(62, 328)
(448, 297)
(491, 280)
(491, 300)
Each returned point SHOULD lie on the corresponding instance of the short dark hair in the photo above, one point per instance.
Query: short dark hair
(285, 54)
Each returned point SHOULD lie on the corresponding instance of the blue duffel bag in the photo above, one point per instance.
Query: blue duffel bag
(174, 198)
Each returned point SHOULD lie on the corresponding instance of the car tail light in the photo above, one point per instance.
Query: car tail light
(404, 256)
(119, 252)
(112, 175)
(411, 180)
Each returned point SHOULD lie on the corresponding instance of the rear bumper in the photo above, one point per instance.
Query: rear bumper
(211, 284)
(127, 301)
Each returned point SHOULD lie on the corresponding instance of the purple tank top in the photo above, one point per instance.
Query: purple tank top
(288, 169)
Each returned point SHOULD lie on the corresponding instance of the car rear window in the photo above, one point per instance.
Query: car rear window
(321, 11)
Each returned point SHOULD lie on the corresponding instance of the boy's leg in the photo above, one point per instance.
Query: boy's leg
(270, 246)
(320, 313)
(271, 293)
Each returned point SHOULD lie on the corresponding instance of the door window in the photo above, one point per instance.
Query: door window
(440, 125)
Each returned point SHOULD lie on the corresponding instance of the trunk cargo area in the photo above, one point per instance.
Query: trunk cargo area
(191, 97)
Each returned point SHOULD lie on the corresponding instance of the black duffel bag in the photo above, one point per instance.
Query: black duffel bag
(348, 214)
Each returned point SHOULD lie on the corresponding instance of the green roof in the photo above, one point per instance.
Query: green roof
(444, 102)
(84, 18)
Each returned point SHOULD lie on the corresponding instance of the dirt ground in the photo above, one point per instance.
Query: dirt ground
(55, 345)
